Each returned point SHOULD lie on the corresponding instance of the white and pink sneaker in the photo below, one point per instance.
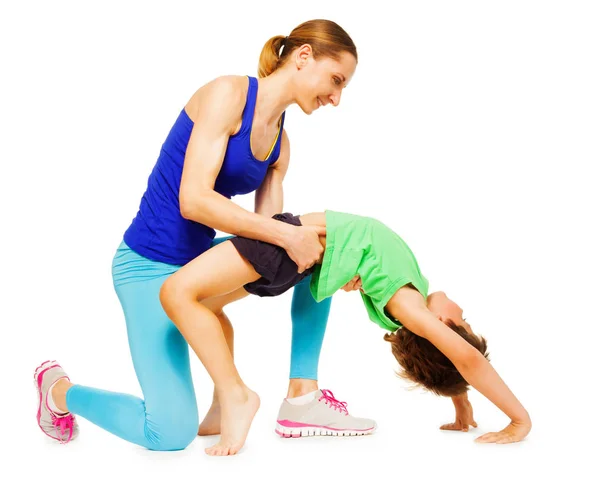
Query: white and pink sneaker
(323, 415)
(60, 426)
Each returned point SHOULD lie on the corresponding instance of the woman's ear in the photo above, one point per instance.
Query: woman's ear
(303, 55)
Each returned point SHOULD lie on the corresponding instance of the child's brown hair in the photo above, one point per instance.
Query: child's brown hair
(424, 364)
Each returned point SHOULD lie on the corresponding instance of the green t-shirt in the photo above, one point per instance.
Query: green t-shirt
(357, 245)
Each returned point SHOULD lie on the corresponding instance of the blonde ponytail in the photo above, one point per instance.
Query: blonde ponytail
(269, 57)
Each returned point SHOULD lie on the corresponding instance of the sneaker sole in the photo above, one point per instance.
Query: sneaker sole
(316, 430)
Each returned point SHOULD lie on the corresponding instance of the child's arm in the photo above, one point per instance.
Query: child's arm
(408, 306)
(464, 414)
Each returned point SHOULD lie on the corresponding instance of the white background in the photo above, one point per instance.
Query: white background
(471, 128)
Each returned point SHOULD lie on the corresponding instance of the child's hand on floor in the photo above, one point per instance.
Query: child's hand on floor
(464, 415)
(515, 432)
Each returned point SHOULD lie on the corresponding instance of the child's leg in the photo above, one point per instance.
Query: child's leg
(218, 271)
(211, 425)
(167, 417)
(309, 321)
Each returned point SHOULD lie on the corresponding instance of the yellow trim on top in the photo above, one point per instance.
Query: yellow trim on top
(275, 141)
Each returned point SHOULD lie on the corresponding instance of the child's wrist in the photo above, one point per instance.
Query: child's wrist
(460, 399)
(522, 418)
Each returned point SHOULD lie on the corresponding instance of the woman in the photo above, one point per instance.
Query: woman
(228, 140)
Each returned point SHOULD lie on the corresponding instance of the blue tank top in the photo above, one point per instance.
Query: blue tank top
(158, 231)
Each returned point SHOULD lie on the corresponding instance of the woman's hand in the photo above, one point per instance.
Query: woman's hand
(303, 245)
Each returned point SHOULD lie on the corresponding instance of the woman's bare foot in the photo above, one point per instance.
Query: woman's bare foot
(211, 425)
(237, 412)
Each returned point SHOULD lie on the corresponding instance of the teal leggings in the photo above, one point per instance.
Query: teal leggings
(166, 419)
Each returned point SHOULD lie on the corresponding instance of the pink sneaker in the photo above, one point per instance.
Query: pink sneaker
(325, 415)
(63, 428)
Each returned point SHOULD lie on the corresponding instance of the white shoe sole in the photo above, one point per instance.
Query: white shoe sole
(311, 431)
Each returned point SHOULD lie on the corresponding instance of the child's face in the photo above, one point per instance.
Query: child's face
(444, 308)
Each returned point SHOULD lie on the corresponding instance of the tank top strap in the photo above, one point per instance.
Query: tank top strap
(274, 155)
(248, 113)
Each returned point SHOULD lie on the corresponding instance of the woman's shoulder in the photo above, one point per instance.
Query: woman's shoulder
(227, 86)
(227, 92)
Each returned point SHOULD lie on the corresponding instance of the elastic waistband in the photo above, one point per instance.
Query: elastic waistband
(128, 267)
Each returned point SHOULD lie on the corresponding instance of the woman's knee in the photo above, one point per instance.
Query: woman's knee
(172, 293)
(173, 434)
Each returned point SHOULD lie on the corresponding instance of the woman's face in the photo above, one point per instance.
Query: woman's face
(321, 81)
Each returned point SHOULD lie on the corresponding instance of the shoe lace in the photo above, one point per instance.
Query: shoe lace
(63, 423)
(334, 402)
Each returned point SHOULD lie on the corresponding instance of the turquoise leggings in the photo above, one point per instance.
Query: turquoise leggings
(166, 419)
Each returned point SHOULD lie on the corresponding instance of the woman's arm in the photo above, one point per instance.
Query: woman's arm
(408, 306)
(219, 110)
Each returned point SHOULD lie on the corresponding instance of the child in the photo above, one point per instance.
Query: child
(433, 344)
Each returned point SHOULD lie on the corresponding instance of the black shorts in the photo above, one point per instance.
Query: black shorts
(277, 270)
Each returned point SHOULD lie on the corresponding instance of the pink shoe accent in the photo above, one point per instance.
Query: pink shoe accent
(41, 366)
(334, 402)
(287, 436)
(39, 385)
(291, 424)
(64, 422)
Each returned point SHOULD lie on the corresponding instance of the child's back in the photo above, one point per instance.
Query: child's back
(358, 245)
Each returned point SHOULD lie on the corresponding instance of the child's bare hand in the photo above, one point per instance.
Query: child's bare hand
(354, 284)
(515, 432)
(464, 415)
